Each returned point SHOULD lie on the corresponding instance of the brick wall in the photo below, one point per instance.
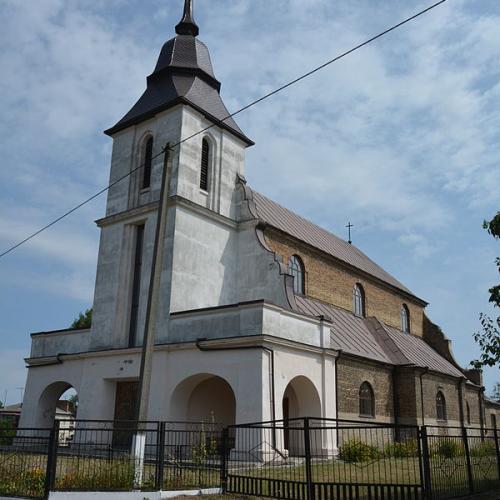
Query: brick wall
(350, 375)
(492, 409)
(472, 396)
(326, 280)
(407, 395)
(449, 387)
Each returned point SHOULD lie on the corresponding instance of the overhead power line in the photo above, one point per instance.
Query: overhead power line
(244, 108)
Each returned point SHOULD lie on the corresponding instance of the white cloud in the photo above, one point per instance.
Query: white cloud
(400, 137)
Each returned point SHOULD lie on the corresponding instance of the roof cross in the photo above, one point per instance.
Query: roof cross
(187, 25)
(349, 229)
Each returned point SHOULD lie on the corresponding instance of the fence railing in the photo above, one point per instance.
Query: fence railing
(306, 458)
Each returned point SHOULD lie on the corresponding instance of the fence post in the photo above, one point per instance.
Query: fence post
(497, 447)
(307, 452)
(50, 475)
(223, 459)
(470, 477)
(160, 455)
(426, 463)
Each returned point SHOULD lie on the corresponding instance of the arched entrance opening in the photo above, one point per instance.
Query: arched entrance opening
(59, 401)
(300, 399)
(204, 398)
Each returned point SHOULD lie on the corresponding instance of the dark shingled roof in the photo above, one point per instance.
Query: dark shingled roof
(183, 74)
(370, 338)
(289, 222)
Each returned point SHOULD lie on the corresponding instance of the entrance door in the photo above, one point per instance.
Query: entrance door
(125, 413)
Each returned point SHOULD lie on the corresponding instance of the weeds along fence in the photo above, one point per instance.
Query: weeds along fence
(109, 456)
(296, 459)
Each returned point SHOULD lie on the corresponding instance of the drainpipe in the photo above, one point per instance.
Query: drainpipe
(339, 353)
(395, 399)
(461, 405)
(424, 372)
(481, 412)
(248, 348)
(57, 361)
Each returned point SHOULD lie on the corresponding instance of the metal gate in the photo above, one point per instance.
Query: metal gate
(320, 459)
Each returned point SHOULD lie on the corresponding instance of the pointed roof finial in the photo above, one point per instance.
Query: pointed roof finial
(187, 26)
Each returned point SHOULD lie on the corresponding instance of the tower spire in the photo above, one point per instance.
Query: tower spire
(187, 25)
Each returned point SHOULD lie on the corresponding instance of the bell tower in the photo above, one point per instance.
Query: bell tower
(181, 106)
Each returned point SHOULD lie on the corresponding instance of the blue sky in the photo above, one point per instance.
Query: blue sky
(400, 138)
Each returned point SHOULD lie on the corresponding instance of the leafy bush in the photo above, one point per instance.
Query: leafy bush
(402, 449)
(447, 448)
(7, 432)
(485, 449)
(358, 451)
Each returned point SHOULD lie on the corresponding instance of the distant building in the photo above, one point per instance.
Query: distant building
(64, 413)
(263, 315)
(11, 414)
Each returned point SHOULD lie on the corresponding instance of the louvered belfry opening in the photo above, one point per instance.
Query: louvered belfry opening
(136, 285)
(205, 158)
(148, 160)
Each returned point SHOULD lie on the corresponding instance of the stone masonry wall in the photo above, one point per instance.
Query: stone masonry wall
(326, 280)
(350, 375)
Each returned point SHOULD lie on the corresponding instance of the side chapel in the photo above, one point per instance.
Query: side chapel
(263, 315)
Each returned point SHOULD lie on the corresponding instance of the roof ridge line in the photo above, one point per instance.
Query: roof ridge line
(377, 328)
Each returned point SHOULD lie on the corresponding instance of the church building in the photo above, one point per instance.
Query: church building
(262, 314)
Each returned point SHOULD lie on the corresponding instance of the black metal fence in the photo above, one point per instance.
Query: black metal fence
(297, 459)
(325, 459)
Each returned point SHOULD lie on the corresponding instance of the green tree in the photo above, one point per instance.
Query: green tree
(73, 399)
(1, 405)
(489, 338)
(84, 320)
(495, 394)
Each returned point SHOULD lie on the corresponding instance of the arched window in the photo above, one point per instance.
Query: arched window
(205, 160)
(405, 318)
(366, 400)
(467, 411)
(296, 269)
(440, 406)
(148, 159)
(358, 300)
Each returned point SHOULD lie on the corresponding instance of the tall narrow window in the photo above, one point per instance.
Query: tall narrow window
(136, 286)
(205, 160)
(467, 410)
(148, 159)
(440, 406)
(296, 269)
(366, 400)
(405, 318)
(358, 300)
(493, 421)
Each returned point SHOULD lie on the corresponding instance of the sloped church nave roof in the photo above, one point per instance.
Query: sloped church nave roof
(276, 216)
(370, 338)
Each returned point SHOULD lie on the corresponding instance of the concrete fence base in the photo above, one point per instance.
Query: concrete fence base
(127, 495)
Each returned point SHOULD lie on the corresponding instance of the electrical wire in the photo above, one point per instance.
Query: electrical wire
(244, 108)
